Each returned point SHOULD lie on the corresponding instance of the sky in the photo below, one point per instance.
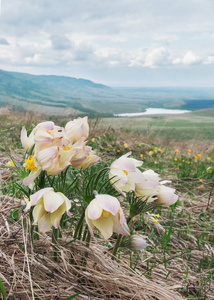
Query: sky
(114, 42)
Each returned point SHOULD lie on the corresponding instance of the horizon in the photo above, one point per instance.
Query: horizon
(115, 86)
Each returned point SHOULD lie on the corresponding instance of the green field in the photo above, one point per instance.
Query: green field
(185, 127)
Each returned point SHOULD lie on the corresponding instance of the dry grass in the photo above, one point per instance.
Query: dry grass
(26, 267)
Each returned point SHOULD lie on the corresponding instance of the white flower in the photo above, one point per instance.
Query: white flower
(49, 208)
(104, 212)
(166, 196)
(124, 173)
(76, 129)
(137, 242)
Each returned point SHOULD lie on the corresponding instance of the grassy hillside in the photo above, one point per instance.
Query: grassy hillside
(61, 95)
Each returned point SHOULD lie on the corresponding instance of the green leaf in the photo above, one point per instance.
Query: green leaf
(72, 297)
(2, 290)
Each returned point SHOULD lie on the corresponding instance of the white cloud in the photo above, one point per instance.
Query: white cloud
(189, 58)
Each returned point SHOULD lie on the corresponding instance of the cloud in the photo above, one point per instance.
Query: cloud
(3, 41)
(189, 58)
(60, 42)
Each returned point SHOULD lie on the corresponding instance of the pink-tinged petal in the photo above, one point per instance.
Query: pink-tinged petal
(94, 210)
(89, 222)
(52, 201)
(121, 216)
(38, 212)
(46, 156)
(151, 175)
(120, 228)
(165, 181)
(136, 162)
(67, 203)
(136, 176)
(123, 163)
(166, 195)
(44, 223)
(38, 195)
(42, 136)
(56, 216)
(48, 125)
(105, 226)
(108, 203)
(24, 138)
(30, 179)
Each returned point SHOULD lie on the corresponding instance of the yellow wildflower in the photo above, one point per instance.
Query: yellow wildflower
(176, 150)
(159, 150)
(151, 153)
(196, 157)
(141, 155)
(125, 145)
(199, 155)
(175, 159)
(93, 140)
(10, 164)
(189, 150)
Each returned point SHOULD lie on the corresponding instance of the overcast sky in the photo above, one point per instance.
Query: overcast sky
(114, 42)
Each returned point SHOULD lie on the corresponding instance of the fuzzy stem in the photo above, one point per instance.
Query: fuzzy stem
(54, 241)
(42, 180)
(116, 246)
(78, 229)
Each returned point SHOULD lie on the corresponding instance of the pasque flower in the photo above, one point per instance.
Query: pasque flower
(55, 148)
(104, 212)
(155, 189)
(137, 242)
(49, 208)
(124, 173)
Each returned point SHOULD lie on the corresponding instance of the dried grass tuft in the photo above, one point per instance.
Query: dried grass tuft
(30, 272)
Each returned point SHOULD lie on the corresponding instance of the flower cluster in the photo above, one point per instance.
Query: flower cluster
(54, 148)
(51, 149)
(126, 177)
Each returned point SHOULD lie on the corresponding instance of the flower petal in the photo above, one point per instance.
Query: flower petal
(44, 223)
(67, 203)
(52, 201)
(38, 212)
(56, 216)
(89, 222)
(38, 195)
(108, 203)
(94, 210)
(120, 228)
(30, 179)
(105, 226)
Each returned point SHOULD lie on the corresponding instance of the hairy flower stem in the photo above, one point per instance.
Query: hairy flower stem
(54, 241)
(116, 246)
(42, 180)
(78, 230)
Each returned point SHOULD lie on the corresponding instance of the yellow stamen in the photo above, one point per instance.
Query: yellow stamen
(43, 206)
(105, 214)
(30, 164)
(124, 171)
(66, 148)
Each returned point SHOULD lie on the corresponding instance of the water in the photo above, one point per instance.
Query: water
(155, 111)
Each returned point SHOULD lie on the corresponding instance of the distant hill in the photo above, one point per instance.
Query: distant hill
(24, 90)
(61, 95)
